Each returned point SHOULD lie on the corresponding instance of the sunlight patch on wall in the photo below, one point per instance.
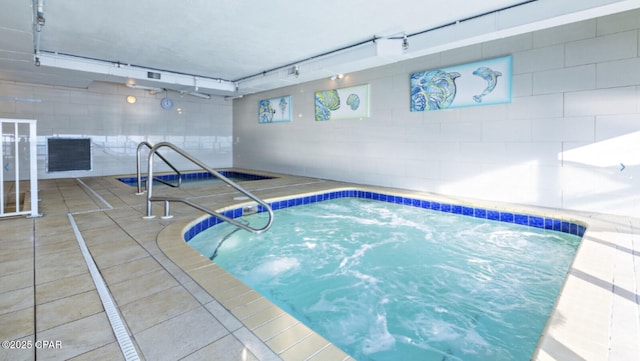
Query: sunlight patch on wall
(622, 151)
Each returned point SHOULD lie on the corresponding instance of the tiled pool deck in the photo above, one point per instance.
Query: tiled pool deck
(177, 305)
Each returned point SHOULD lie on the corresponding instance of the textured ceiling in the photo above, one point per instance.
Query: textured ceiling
(235, 39)
(231, 40)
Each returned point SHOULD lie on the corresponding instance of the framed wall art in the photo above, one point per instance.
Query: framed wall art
(274, 110)
(479, 83)
(343, 103)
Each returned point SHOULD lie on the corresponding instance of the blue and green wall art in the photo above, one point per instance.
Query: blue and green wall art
(479, 83)
(343, 103)
(274, 110)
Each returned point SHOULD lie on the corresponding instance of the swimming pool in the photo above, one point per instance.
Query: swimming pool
(442, 332)
(197, 178)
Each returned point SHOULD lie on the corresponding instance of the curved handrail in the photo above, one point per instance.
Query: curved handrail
(202, 165)
(139, 175)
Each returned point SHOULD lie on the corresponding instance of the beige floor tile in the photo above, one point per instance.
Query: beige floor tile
(16, 300)
(143, 286)
(142, 229)
(198, 292)
(253, 343)
(64, 287)
(12, 230)
(156, 308)
(12, 241)
(191, 331)
(229, 290)
(8, 254)
(16, 266)
(275, 327)
(16, 281)
(63, 265)
(56, 228)
(17, 324)
(82, 205)
(52, 224)
(263, 316)
(68, 309)
(64, 234)
(330, 353)
(129, 270)
(116, 252)
(251, 307)
(62, 243)
(99, 235)
(19, 354)
(77, 337)
(92, 220)
(304, 349)
(223, 315)
(175, 271)
(48, 221)
(289, 337)
(125, 215)
(109, 352)
(227, 348)
(203, 271)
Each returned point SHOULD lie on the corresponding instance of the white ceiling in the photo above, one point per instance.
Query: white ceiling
(232, 47)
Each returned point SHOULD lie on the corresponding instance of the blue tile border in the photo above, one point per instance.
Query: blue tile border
(553, 224)
(189, 177)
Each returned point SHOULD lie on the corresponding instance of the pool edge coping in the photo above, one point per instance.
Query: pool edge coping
(552, 223)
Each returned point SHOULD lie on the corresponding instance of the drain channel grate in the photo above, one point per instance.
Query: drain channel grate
(126, 346)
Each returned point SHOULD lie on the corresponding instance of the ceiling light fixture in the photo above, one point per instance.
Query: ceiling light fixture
(131, 99)
(144, 87)
(40, 13)
(200, 95)
(337, 77)
(38, 24)
(294, 70)
(195, 94)
(405, 43)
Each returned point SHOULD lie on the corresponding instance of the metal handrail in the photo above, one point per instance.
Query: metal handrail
(215, 251)
(139, 175)
(166, 200)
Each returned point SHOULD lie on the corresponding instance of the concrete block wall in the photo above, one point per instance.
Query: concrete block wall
(201, 126)
(573, 121)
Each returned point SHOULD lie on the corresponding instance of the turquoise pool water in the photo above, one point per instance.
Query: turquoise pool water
(390, 282)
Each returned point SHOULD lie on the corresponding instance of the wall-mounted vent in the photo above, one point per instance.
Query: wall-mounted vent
(67, 154)
(153, 75)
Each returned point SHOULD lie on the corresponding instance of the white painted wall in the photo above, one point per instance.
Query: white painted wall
(575, 116)
(115, 127)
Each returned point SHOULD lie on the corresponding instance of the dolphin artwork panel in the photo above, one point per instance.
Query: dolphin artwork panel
(479, 83)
